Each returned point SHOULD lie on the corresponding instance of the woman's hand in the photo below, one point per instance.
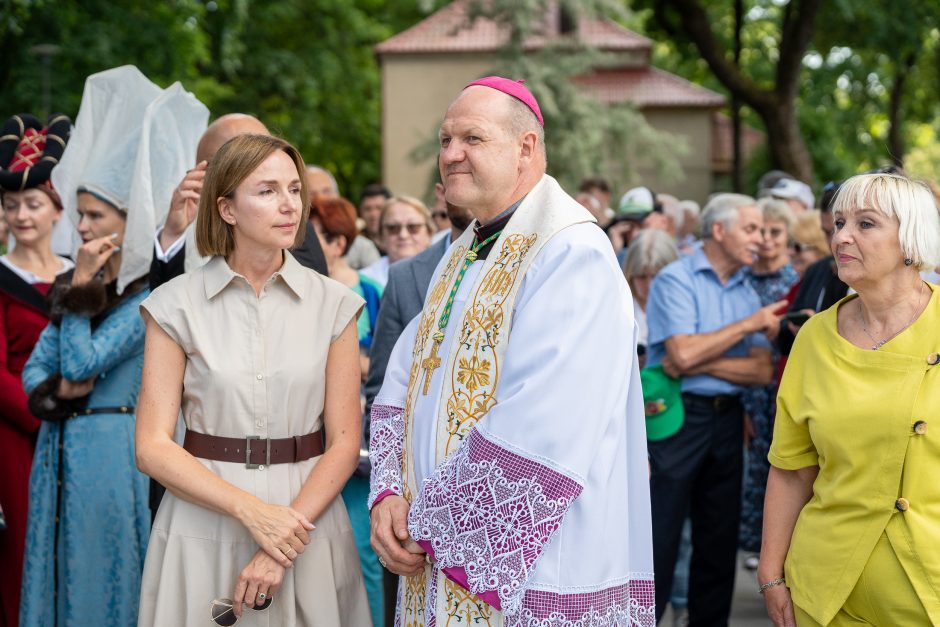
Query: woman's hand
(279, 530)
(75, 389)
(779, 606)
(91, 258)
(262, 575)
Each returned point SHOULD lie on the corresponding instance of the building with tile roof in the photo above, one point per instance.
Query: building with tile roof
(425, 66)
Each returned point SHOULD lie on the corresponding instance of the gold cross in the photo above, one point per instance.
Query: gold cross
(430, 364)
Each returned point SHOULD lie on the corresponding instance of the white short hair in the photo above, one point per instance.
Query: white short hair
(723, 208)
(649, 252)
(672, 209)
(778, 210)
(896, 196)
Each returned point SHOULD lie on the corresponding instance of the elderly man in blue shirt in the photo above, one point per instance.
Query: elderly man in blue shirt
(707, 328)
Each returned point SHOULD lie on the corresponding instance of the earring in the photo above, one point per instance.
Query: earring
(908, 261)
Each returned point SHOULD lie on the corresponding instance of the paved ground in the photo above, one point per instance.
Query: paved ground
(748, 609)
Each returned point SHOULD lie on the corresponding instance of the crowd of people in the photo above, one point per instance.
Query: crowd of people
(231, 393)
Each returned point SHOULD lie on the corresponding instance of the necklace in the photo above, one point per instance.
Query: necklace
(433, 361)
(879, 343)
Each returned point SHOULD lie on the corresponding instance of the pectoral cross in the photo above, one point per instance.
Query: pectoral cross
(430, 364)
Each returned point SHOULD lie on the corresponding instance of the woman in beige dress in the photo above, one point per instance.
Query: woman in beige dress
(262, 357)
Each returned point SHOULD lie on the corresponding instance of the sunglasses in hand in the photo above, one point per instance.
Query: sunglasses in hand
(222, 611)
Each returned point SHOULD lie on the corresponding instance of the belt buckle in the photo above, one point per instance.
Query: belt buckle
(267, 452)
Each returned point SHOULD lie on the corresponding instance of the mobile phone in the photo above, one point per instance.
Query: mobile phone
(796, 317)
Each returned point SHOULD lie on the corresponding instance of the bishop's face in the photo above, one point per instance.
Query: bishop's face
(479, 158)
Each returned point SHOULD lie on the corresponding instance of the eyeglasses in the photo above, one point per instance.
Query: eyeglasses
(774, 232)
(413, 228)
(439, 215)
(222, 611)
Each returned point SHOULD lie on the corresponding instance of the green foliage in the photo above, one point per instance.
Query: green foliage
(305, 67)
(857, 53)
(585, 137)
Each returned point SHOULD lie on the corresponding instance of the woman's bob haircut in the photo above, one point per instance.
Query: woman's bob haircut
(232, 164)
(908, 201)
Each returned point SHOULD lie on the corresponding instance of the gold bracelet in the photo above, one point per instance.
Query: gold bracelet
(771, 584)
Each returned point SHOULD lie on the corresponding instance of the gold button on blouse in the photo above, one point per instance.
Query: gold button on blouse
(902, 504)
(933, 359)
(920, 427)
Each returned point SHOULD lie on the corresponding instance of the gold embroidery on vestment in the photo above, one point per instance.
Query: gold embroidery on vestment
(464, 608)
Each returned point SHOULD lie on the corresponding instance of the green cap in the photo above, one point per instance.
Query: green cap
(662, 401)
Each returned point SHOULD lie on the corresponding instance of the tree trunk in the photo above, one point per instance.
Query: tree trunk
(787, 149)
(895, 128)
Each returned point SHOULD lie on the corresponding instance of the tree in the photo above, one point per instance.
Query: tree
(775, 98)
(304, 67)
(587, 136)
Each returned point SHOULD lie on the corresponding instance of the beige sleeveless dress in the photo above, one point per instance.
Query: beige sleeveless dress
(255, 366)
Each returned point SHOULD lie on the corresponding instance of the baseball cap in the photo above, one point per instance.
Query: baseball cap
(662, 401)
(636, 204)
(797, 190)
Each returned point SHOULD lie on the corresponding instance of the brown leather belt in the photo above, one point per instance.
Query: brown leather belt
(254, 451)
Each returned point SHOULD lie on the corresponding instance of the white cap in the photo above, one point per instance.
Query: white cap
(797, 190)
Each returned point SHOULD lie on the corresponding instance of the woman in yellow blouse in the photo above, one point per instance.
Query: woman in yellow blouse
(852, 514)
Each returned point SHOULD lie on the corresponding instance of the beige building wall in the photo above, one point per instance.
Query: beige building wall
(695, 126)
(416, 90)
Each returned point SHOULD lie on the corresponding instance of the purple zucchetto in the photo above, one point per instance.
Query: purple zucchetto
(516, 89)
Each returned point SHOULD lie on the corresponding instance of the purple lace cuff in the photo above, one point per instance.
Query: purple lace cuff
(489, 512)
(458, 574)
(385, 450)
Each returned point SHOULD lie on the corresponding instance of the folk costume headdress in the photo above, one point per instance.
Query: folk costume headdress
(130, 147)
(28, 153)
(29, 150)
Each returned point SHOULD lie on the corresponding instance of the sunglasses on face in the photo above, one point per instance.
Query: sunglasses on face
(801, 248)
(413, 228)
(222, 611)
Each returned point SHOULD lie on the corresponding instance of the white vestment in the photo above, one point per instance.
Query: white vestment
(525, 463)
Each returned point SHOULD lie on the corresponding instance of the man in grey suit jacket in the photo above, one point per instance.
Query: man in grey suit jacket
(403, 298)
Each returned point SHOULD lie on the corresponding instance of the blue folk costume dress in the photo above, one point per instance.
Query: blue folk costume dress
(760, 403)
(89, 520)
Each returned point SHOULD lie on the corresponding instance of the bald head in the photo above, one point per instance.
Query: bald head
(320, 183)
(224, 129)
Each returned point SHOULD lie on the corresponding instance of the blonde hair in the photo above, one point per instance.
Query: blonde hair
(232, 164)
(895, 196)
(807, 229)
(412, 202)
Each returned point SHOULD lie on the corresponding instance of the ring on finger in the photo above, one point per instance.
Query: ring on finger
(382, 562)
(262, 596)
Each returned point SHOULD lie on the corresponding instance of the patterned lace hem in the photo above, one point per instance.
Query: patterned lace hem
(385, 450)
(630, 604)
(491, 512)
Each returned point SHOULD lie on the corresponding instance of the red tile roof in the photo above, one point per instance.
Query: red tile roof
(648, 87)
(449, 30)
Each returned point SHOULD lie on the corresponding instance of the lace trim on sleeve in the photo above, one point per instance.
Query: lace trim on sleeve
(385, 450)
(491, 512)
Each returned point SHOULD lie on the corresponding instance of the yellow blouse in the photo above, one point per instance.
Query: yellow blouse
(864, 417)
